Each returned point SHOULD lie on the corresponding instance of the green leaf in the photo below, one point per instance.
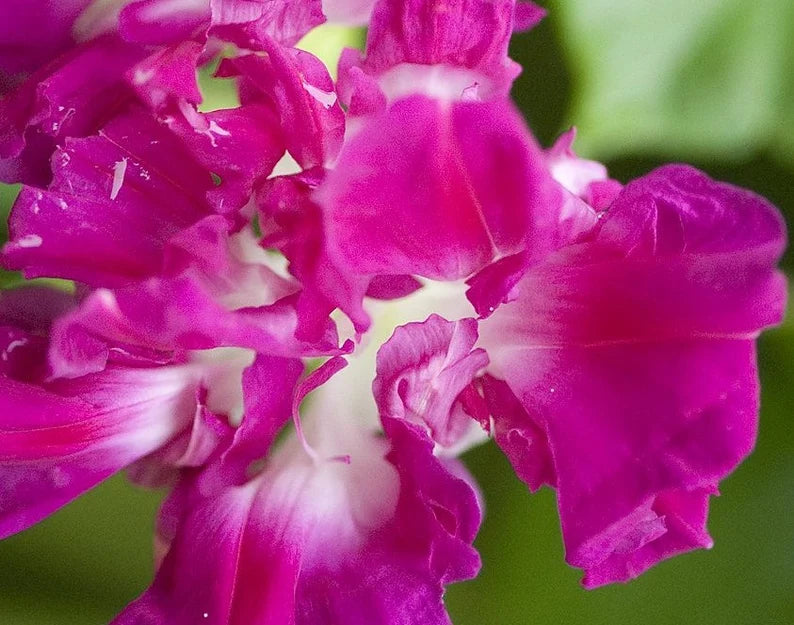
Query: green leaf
(702, 79)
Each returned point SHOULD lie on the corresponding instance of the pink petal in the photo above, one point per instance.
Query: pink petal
(495, 284)
(266, 552)
(585, 181)
(71, 97)
(572, 172)
(26, 317)
(285, 21)
(194, 447)
(676, 256)
(167, 74)
(633, 352)
(392, 287)
(241, 146)
(208, 298)
(162, 22)
(527, 15)
(629, 425)
(360, 92)
(352, 12)
(464, 183)
(267, 387)
(33, 32)
(519, 435)
(311, 541)
(22, 354)
(33, 307)
(292, 222)
(60, 440)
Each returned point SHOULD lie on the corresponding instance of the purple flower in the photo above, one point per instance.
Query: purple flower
(404, 226)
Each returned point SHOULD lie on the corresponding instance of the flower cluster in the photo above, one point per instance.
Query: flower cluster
(395, 248)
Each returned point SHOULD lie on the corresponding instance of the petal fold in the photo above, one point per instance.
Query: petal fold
(421, 371)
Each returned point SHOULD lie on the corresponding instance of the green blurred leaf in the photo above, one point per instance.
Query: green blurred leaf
(218, 93)
(705, 78)
(8, 193)
(326, 42)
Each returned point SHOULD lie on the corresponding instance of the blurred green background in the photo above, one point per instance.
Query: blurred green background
(708, 82)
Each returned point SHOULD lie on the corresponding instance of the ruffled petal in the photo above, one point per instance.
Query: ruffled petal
(634, 352)
(676, 256)
(519, 435)
(398, 575)
(211, 295)
(359, 92)
(495, 284)
(168, 75)
(162, 22)
(372, 539)
(71, 97)
(628, 427)
(285, 21)
(267, 387)
(584, 191)
(421, 371)
(292, 222)
(298, 86)
(240, 146)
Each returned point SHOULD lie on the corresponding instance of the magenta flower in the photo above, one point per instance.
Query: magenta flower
(456, 281)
